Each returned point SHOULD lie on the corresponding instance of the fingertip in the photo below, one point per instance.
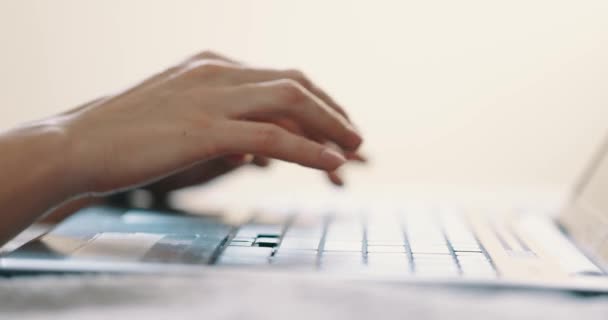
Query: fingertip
(248, 158)
(335, 179)
(331, 159)
(238, 159)
(353, 140)
(261, 161)
(357, 157)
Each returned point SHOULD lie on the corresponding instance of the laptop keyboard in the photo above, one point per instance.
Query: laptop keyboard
(440, 244)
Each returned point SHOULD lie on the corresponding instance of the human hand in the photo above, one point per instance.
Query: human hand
(209, 170)
(202, 112)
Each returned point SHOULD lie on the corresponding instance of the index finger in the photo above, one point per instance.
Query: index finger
(272, 141)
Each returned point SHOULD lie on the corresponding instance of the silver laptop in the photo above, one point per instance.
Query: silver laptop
(432, 245)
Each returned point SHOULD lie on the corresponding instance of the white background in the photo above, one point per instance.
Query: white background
(481, 94)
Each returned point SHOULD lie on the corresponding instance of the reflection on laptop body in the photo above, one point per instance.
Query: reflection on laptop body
(436, 245)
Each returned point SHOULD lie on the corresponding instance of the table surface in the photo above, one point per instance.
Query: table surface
(255, 295)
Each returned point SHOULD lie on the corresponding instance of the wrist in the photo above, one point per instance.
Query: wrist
(75, 166)
(42, 151)
(56, 157)
(67, 166)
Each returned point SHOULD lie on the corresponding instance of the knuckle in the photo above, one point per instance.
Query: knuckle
(203, 55)
(195, 57)
(267, 136)
(173, 70)
(299, 76)
(210, 147)
(205, 69)
(289, 91)
(208, 68)
(206, 54)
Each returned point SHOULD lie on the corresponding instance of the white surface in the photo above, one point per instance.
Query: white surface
(452, 92)
(234, 295)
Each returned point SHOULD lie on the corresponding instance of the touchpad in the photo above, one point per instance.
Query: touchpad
(124, 247)
(118, 246)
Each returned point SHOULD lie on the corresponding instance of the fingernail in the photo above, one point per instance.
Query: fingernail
(332, 158)
(337, 180)
(354, 140)
(239, 159)
(261, 161)
(248, 158)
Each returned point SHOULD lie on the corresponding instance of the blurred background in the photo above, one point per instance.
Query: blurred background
(451, 95)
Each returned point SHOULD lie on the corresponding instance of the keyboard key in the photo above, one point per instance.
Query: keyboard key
(430, 271)
(304, 233)
(434, 262)
(414, 239)
(434, 265)
(386, 249)
(343, 246)
(426, 237)
(429, 248)
(343, 262)
(344, 233)
(473, 257)
(238, 255)
(266, 242)
(467, 247)
(250, 239)
(475, 265)
(432, 256)
(388, 263)
(259, 230)
(247, 252)
(458, 232)
(342, 258)
(477, 269)
(240, 244)
(342, 253)
(385, 243)
(295, 252)
(440, 260)
(385, 236)
(299, 243)
(468, 253)
(294, 260)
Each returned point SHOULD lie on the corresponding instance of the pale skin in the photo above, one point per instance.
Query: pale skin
(187, 125)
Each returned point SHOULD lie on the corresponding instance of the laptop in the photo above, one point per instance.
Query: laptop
(429, 245)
